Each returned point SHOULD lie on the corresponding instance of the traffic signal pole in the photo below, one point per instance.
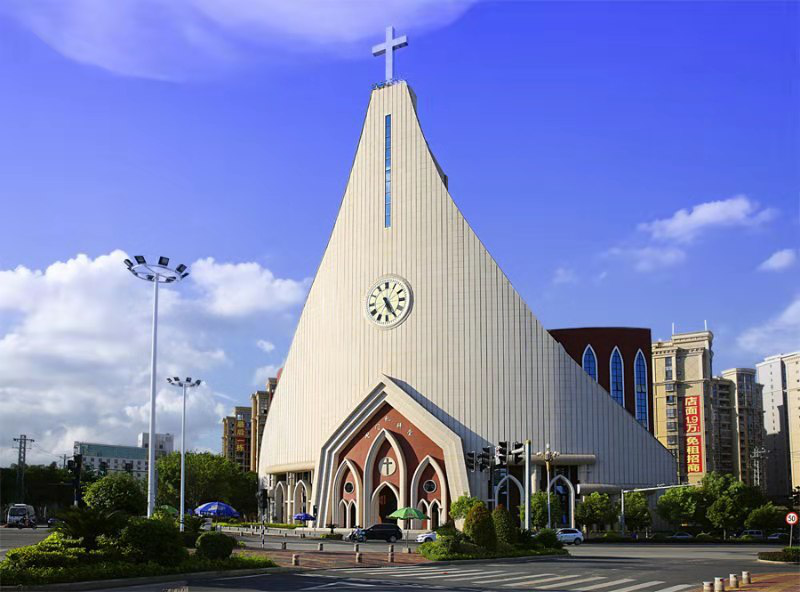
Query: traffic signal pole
(527, 454)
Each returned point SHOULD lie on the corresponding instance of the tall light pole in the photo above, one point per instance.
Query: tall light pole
(158, 273)
(549, 456)
(184, 384)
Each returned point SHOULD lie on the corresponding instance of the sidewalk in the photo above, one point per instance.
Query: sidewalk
(773, 582)
(334, 559)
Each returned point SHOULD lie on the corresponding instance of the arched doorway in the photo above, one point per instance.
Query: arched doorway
(352, 520)
(280, 504)
(384, 502)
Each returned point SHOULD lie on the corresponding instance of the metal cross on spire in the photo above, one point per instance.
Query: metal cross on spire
(388, 47)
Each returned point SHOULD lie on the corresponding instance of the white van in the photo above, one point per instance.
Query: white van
(21, 515)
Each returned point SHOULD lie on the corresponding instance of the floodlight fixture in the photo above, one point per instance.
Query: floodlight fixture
(163, 261)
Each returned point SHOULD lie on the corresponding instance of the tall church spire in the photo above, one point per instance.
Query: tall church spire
(388, 47)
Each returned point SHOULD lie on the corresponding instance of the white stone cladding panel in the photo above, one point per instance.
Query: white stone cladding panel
(470, 352)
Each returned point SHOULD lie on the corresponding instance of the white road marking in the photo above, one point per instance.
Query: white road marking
(639, 586)
(511, 579)
(678, 587)
(538, 580)
(571, 582)
(460, 574)
(607, 584)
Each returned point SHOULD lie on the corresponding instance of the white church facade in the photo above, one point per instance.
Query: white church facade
(414, 349)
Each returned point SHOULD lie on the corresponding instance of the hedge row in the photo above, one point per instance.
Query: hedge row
(788, 554)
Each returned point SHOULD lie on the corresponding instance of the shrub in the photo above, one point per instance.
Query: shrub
(504, 527)
(614, 537)
(547, 538)
(705, 537)
(332, 535)
(479, 527)
(527, 540)
(788, 554)
(87, 524)
(461, 507)
(144, 540)
(215, 545)
(117, 491)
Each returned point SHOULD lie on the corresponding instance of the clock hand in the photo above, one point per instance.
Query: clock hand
(388, 305)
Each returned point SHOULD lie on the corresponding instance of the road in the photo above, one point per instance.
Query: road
(591, 568)
(296, 543)
(11, 538)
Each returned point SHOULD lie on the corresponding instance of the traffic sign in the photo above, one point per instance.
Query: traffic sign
(791, 518)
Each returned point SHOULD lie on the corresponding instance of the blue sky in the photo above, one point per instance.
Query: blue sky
(573, 135)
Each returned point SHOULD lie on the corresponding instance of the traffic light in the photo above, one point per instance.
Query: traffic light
(501, 454)
(485, 458)
(263, 500)
(471, 461)
(796, 497)
(516, 453)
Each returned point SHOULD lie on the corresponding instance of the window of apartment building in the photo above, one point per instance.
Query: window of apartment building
(672, 413)
(672, 426)
(672, 440)
(667, 368)
(672, 400)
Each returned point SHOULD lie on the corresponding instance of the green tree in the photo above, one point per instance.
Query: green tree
(209, 478)
(539, 509)
(681, 506)
(479, 527)
(504, 526)
(461, 507)
(766, 517)
(596, 509)
(117, 491)
(729, 510)
(637, 513)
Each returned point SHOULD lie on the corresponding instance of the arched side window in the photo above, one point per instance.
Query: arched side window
(617, 382)
(590, 362)
(640, 382)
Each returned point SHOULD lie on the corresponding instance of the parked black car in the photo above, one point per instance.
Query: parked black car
(384, 532)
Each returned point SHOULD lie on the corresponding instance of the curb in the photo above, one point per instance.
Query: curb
(179, 578)
(535, 558)
(778, 562)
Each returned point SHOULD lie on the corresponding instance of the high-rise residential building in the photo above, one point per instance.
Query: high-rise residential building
(165, 443)
(236, 430)
(780, 375)
(747, 429)
(259, 408)
(682, 401)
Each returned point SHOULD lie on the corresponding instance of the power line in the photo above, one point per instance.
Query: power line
(22, 447)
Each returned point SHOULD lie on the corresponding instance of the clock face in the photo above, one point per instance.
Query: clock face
(389, 302)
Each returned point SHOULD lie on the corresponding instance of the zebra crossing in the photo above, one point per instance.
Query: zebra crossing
(508, 577)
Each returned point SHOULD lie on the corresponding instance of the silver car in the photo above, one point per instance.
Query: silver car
(569, 536)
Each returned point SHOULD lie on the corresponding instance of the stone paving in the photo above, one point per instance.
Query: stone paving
(336, 559)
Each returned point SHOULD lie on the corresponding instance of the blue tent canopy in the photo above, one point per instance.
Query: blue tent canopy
(216, 509)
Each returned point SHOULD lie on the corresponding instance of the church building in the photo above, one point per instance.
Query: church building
(414, 351)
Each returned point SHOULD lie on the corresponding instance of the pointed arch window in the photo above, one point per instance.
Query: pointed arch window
(590, 362)
(617, 382)
(640, 383)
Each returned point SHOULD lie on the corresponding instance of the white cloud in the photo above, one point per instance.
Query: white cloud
(684, 225)
(75, 352)
(263, 373)
(178, 39)
(239, 289)
(564, 275)
(779, 260)
(779, 334)
(647, 259)
(265, 346)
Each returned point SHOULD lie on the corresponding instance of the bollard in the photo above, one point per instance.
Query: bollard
(745, 577)
(719, 584)
(391, 557)
(407, 550)
(708, 586)
(391, 548)
(733, 581)
(295, 559)
(283, 545)
(355, 547)
(358, 557)
(319, 547)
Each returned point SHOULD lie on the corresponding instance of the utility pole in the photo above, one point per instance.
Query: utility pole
(22, 446)
(757, 455)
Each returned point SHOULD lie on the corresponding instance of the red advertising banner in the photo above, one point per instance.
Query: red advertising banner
(694, 435)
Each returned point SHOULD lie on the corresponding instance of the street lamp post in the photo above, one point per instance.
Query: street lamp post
(158, 273)
(549, 456)
(184, 384)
